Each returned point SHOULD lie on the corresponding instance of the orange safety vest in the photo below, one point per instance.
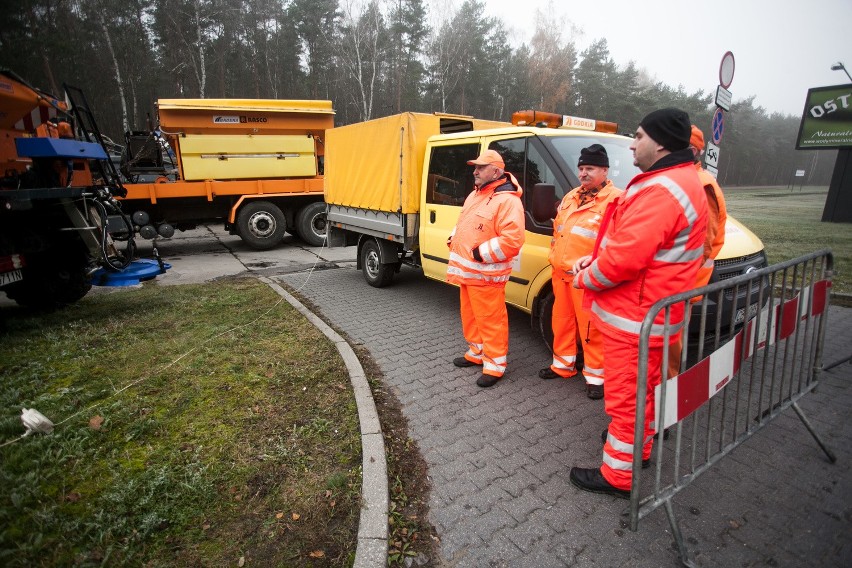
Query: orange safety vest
(575, 228)
(650, 247)
(717, 214)
(491, 221)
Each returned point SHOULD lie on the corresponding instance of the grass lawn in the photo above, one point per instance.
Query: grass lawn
(199, 425)
(788, 223)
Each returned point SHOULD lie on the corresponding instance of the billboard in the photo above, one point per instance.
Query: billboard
(827, 119)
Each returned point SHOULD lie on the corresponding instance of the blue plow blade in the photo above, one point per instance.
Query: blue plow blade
(138, 271)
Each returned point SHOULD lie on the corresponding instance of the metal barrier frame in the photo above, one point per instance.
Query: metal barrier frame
(762, 354)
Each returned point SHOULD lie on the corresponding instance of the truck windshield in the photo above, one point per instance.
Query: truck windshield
(621, 168)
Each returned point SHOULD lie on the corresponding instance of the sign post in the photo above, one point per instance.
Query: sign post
(723, 103)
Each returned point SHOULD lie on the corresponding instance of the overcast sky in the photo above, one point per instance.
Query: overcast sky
(781, 47)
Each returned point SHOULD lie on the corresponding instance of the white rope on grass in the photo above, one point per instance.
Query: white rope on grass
(35, 422)
(316, 262)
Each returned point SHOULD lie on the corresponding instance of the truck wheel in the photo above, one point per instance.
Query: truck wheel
(310, 223)
(261, 224)
(545, 320)
(50, 283)
(376, 274)
(545, 328)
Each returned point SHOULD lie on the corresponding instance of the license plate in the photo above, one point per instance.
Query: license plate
(752, 311)
(9, 277)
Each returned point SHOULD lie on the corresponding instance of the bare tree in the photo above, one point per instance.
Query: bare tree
(361, 52)
(442, 55)
(125, 123)
(198, 54)
(551, 64)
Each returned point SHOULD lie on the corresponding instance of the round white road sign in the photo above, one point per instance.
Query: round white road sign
(726, 70)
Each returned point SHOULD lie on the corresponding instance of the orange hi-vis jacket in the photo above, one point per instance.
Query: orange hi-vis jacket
(650, 247)
(717, 214)
(575, 228)
(491, 221)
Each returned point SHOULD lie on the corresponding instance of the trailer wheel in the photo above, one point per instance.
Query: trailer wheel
(311, 223)
(376, 274)
(261, 224)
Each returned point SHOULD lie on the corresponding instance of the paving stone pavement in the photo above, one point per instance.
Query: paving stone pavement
(499, 458)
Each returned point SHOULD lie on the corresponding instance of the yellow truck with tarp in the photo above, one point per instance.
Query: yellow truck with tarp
(256, 164)
(394, 187)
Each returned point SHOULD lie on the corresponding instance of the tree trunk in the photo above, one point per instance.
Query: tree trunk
(125, 123)
(201, 71)
(48, 72)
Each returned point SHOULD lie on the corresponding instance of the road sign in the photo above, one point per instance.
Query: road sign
(711, 155)
(718, 126)
(726, 70)
(723, 98)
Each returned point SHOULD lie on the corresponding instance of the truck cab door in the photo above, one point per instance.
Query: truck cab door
(447, 182)
(531, 163)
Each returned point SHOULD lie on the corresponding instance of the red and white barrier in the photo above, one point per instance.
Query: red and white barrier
(689, 390)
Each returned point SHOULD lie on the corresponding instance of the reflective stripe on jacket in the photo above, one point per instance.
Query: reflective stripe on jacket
(651, 247)
(575, 228)
(492, 221)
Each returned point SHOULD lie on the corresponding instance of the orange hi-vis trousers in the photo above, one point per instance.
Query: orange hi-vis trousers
(485, 324)
(569, 321)
(622, 361)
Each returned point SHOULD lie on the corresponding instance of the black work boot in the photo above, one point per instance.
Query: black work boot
(593, 480)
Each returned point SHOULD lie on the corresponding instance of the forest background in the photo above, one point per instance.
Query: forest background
(371, 59)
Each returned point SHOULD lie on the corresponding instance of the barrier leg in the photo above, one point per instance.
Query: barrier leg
(678, 536)
(837, 363)
(831, 457)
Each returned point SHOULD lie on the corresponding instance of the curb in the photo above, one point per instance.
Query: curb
(839, 299)
(372, 548)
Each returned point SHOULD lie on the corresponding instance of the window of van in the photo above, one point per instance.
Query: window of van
(450, 179)
(526, 162)
(621, 168)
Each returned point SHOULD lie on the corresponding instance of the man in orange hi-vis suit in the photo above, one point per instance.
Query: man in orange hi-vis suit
(575, 230)
(487, 237)
(650, 246)
(717, 214)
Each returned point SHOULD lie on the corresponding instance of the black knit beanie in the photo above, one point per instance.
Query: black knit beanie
(669, 127)
(594, 155)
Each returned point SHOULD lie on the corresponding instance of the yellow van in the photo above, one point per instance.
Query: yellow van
(406, 218)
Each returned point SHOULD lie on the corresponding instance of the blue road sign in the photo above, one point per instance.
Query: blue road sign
(718, 126)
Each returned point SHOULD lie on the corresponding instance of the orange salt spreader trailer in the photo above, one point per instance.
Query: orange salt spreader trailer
(256, 164)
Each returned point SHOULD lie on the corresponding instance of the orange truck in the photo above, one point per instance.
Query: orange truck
(59, 217)
(255, 164)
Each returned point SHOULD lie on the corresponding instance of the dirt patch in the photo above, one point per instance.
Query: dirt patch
(412, 540)
(411, 536)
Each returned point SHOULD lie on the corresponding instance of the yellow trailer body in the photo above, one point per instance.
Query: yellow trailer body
(378, 164)
(246, 156)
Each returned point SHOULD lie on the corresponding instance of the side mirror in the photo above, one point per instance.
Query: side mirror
(544, 202)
